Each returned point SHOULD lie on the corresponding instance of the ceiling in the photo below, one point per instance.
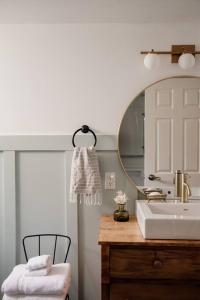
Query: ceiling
(99, 11)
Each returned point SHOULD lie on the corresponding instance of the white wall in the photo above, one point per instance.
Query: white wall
(55, 77)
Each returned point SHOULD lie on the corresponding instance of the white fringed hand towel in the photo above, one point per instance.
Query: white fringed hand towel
(85, 185)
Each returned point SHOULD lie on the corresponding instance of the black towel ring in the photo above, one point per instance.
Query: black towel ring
(84, 129)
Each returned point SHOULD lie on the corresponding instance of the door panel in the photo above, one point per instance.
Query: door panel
(191, 145)
(172, 114)
(163, 145)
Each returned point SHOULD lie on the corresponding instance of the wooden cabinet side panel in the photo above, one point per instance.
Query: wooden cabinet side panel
(105, 272)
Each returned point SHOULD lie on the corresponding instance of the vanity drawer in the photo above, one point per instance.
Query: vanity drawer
(155, 290)
(158, 264)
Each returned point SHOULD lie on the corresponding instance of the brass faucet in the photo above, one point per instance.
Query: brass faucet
(182, 188)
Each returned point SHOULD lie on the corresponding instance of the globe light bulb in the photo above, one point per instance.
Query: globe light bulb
(151, 61)
(186, 61)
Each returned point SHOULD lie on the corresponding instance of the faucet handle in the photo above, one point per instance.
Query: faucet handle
(186, 191)
(186, 176)
(154, 177)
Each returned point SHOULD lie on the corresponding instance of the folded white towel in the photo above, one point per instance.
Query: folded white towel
(56, 283)
(39, 262)
(37, 297)
(39, 272)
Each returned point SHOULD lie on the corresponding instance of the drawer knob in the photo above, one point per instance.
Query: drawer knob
(157, 264)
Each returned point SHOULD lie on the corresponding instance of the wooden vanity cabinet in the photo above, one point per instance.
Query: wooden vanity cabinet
(137, 269)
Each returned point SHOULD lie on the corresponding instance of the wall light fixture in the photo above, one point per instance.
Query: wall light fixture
(184, 55)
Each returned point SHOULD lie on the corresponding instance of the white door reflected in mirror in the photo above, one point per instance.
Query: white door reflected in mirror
(159, 133)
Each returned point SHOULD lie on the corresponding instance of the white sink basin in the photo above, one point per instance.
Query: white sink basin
(171, 220)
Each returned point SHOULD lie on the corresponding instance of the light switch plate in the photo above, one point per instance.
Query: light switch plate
(110, 180)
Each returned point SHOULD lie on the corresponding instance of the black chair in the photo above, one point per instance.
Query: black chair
(39, 237)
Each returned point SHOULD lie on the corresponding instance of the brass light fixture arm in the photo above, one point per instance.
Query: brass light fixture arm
(176, 51)
(168, 52)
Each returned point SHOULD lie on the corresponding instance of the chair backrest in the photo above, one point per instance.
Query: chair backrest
(38, 237)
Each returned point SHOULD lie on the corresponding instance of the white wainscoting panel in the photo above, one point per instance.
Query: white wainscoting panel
(40, 194)
(9, 211)
(1, 218)
(34, 197)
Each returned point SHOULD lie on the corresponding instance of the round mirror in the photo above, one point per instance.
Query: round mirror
(160, 133)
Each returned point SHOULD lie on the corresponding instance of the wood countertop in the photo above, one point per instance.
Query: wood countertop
(121, 233)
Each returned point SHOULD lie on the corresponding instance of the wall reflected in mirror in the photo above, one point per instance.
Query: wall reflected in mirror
(131, 140)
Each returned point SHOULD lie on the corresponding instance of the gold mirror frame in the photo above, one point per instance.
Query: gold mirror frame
(118, 151)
